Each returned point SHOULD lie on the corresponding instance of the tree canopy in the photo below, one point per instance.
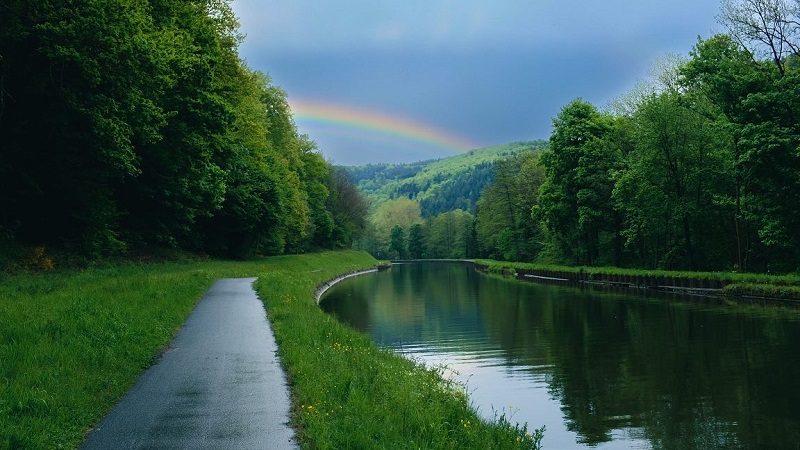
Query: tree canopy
(127, 124)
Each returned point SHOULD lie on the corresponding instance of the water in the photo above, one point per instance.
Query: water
(598, 369)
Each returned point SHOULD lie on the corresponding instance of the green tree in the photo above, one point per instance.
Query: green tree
(401, 211)
(448, 234)
(81, 88)
(416, 242)
(502, 226)
(315, 175)
(135, 123)
(758, 105)
(574, 201)
(397, 242)
(673, 180)
(348, 209)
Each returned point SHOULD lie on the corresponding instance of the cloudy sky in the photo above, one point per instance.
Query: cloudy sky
(398, 81)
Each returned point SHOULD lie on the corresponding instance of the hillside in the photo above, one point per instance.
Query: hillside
(439, 185)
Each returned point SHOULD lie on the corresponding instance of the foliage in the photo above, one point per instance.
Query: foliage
(128, 124)
(503, 225)
(441, 185)
(672, 188)
(401, 212)
(575, 196)
(397, 243)
(450, 235)
(417, 247)
(348, 208)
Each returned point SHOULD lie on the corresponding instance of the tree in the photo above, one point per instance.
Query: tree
(503, 226)
(80, 90)
(401, 211)
(348, 209)
(574, 197)
(416, 242)
(134, 124)
(765, 27)
(315, 174)
(671, 184)
(758, 105)
(397, 243)
(448, 234)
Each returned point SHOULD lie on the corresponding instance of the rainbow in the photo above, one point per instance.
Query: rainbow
(331, 114)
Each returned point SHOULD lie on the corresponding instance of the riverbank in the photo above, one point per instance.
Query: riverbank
(780, 288)
(74, 342)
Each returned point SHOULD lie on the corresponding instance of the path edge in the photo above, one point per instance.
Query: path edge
(323, 287)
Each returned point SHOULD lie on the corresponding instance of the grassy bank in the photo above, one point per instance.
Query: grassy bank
(786, 287)
(72, 343)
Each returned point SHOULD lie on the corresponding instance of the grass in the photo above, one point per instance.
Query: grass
(727, 277)
(782, 287)
(781, 292)
(72, 343)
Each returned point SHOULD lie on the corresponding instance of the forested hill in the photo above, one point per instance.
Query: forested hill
(439, 185)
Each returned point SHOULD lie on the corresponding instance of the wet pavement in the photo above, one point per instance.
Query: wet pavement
(218, 385)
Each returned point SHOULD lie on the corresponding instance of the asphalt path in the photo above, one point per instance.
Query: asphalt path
(218, 385)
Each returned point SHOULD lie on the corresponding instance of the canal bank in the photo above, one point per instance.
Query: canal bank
(782, 289)
(323, 288)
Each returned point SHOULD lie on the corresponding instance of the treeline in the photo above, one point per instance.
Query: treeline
(371, 177)
(129, 124)
(397, 230)
(500, 229)
(698, 170)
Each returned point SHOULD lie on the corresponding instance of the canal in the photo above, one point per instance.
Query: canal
(598, 369)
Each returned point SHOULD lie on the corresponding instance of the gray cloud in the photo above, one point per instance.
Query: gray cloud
(492, 71)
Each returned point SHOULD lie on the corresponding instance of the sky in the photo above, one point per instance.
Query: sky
(399, 81)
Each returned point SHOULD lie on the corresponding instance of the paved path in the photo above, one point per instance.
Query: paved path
(219, 384)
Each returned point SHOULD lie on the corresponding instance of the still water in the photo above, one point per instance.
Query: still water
(598, 369)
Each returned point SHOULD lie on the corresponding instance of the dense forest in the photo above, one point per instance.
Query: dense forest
(439, 185)
(126, 125)
(698, 168)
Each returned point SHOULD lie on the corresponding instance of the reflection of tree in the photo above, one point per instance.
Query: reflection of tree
(664, 366)
(677, 374)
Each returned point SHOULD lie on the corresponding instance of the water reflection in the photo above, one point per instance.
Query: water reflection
(599, 369)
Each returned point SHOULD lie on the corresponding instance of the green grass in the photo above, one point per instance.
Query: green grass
(736, 285)
(762, 290)
(72, 343)
(726, 277)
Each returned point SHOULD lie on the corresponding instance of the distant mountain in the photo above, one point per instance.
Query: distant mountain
(439, 185)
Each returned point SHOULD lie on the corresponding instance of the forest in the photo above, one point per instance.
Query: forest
(129, 125)
(697, 168)
(439, 185)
